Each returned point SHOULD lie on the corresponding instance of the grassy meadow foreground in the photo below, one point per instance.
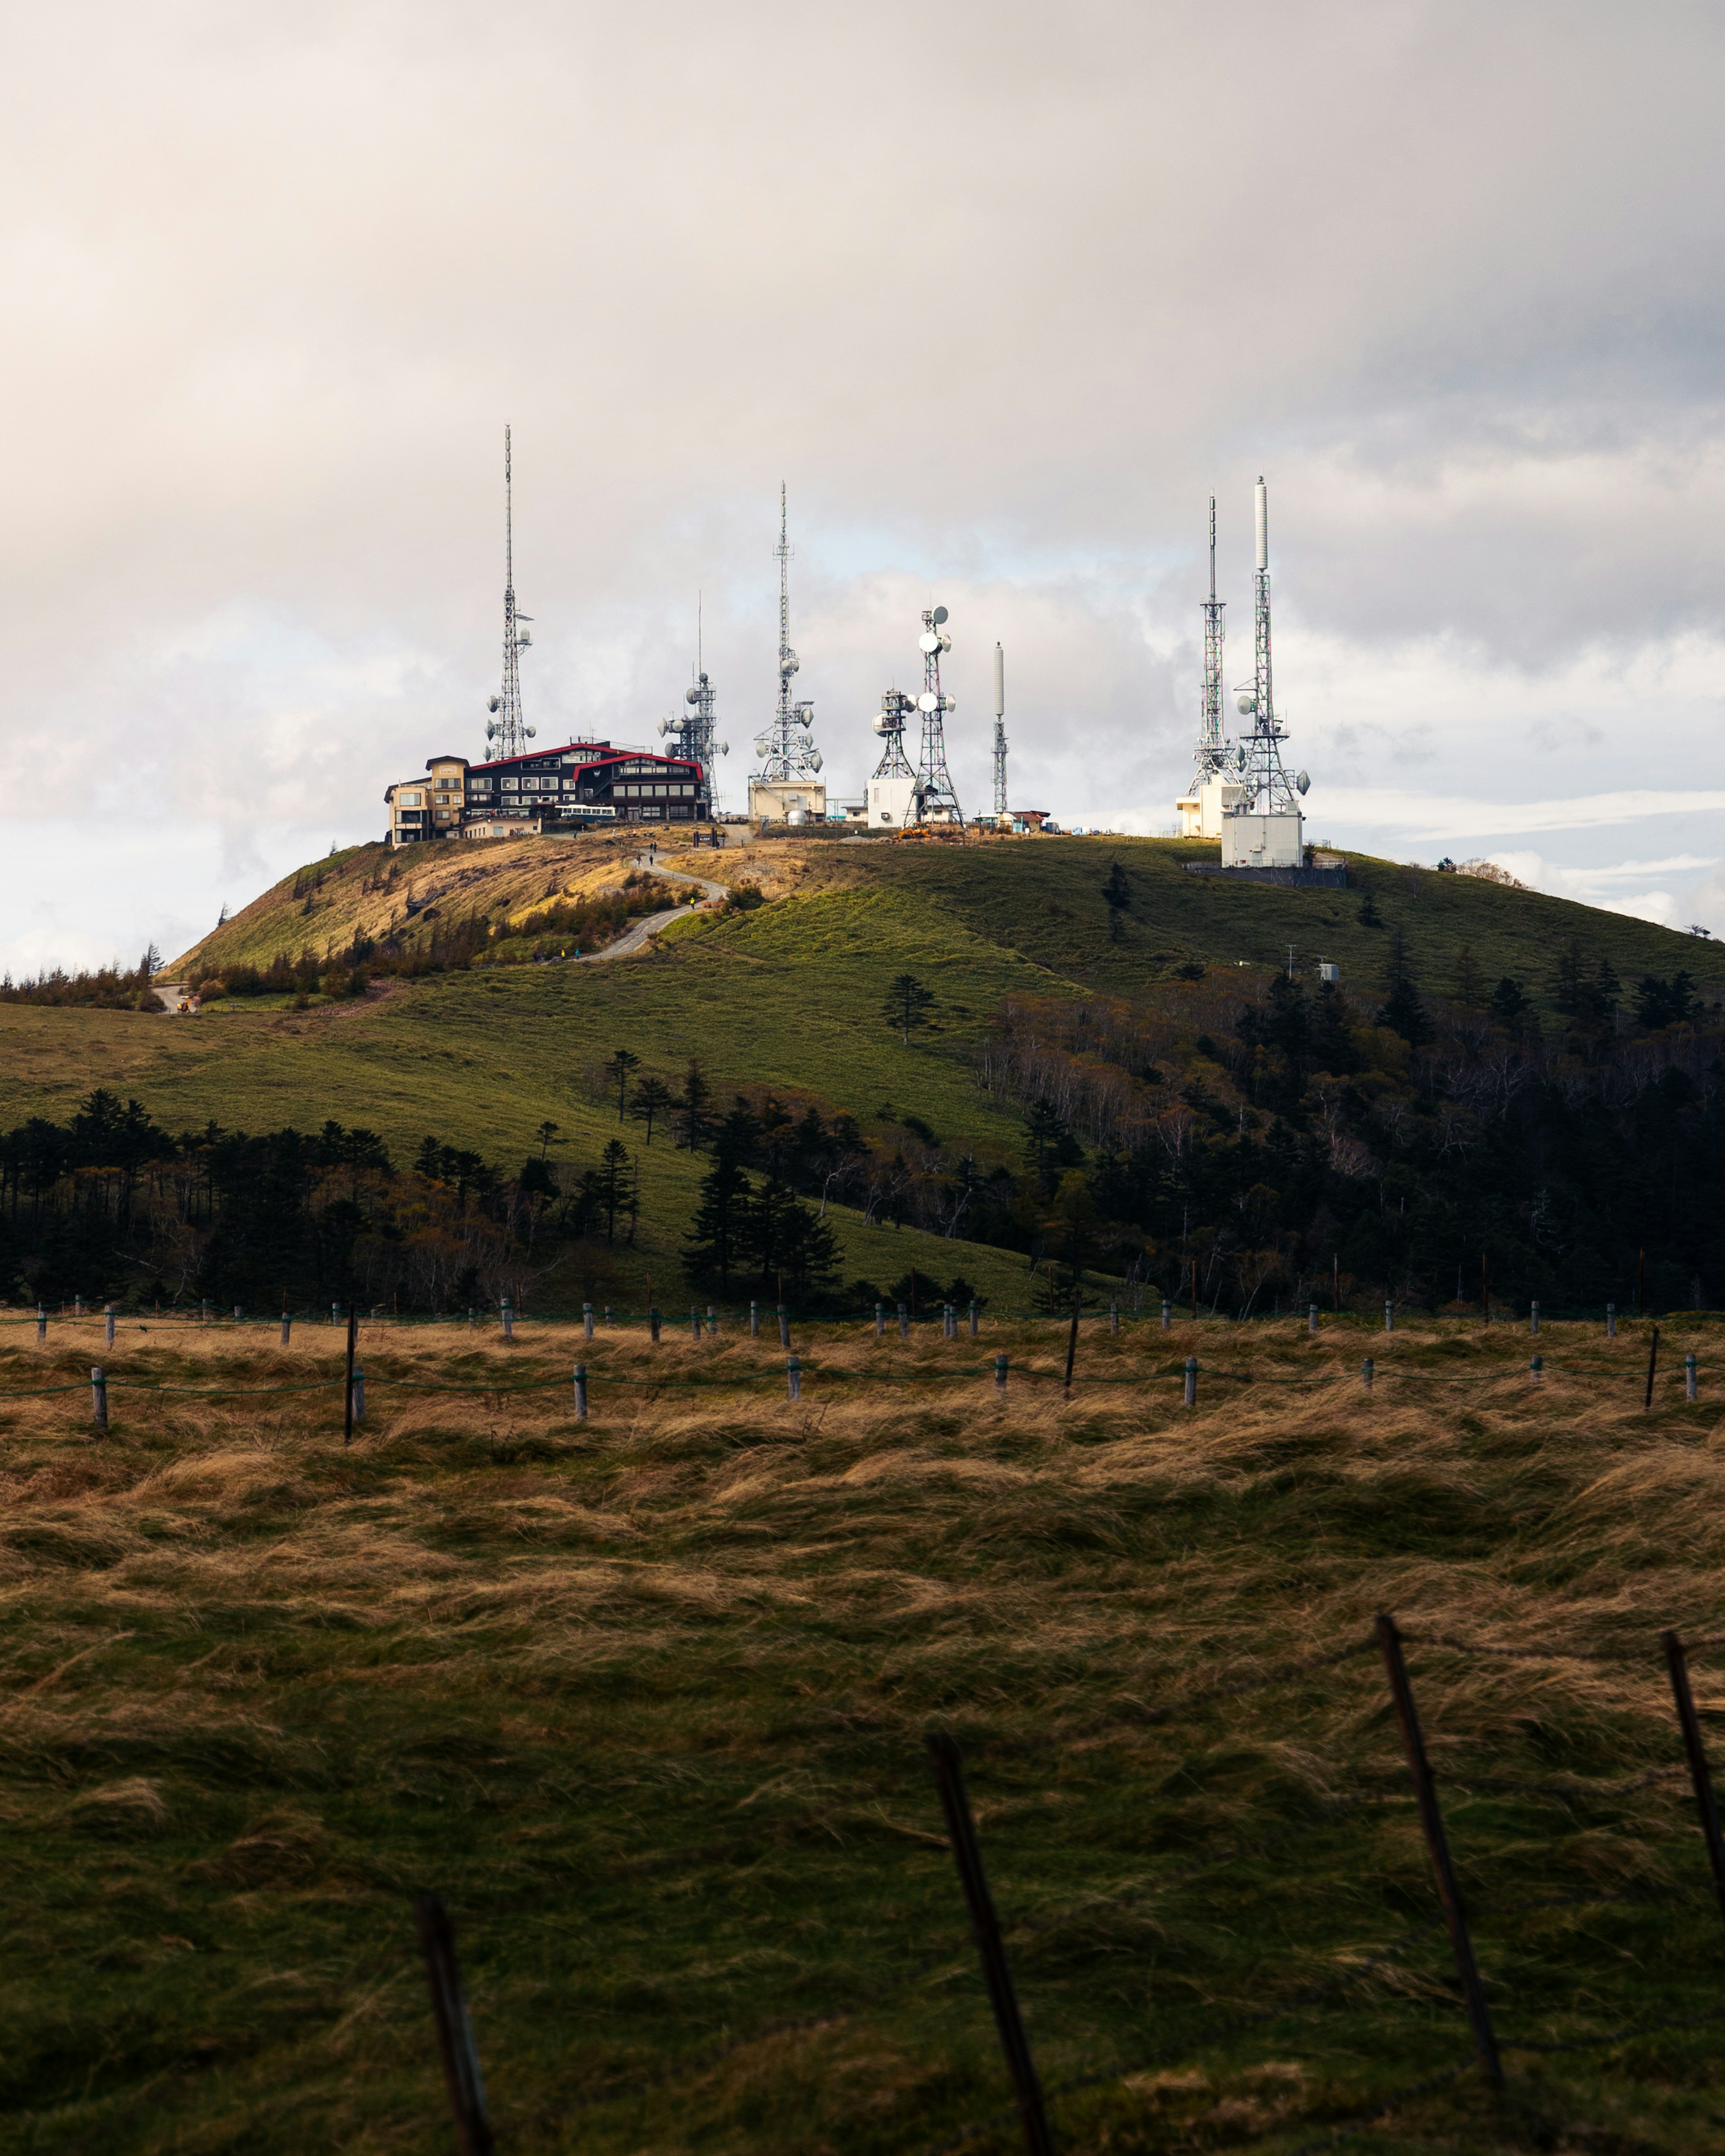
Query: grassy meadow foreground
(645, 1700)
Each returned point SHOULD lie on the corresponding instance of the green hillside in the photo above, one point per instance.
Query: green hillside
(788, 994)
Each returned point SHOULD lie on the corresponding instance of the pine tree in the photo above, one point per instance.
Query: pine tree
(653, 1097)
(693, 1107)
(716, 1230)
(1117, 897)
(618, 1069)
(1404, 1012)
(615, 1185)
(1508, 1001)
(1468, 987)
(907, 1005)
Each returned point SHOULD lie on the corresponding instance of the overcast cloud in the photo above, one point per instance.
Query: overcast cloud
(1003, 293)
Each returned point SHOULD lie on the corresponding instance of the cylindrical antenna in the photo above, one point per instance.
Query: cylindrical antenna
(1213, 549)
(508, 517)
(1263, 507)
(999, 683)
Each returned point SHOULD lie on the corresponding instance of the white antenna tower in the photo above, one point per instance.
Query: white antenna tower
(504, 731)
(787, 748)
(937, 798)
(1268, 791)
(999, 731)
(1212, 755)
(696, 732)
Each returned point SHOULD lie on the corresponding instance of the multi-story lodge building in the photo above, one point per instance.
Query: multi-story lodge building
(547, 791)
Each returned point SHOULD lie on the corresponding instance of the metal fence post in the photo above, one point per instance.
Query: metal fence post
(508, 1321)
(985, 1929)
(454, 2031)
(1676, 1662)
(794, 1378)
(1691, 1389)
(1000, 1373)
(1431, 1820)
(359, 1393)
(1366, 1373)
(78, 1305)
(587, 1321)
(1192, 1381)
(581, 1391)
(1611, 1321)
(99, 1396)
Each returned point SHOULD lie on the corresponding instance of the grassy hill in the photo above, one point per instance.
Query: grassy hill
(788, 993)
(646, 1698)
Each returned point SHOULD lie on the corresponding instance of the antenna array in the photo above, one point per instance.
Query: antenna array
(936, 796)
(999, 731)
(695, 732)
(504, 731)
(787, 748)
(1268, 791)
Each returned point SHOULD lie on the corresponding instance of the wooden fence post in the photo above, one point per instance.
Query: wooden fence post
(1437, 1844)
(454, 2031)
(1676, 1662)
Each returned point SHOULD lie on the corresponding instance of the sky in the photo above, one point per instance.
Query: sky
(1003, 295)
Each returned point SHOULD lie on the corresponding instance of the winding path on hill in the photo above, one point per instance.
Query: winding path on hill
(636, 938)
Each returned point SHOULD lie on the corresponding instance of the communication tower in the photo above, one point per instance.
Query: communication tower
(789, 760)
(504, 731)
(696, 732)
(937, 798)
(1263, 829)
(1212, 747)
(1000, 729)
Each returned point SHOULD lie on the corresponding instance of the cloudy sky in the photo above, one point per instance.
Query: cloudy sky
(1003, 293)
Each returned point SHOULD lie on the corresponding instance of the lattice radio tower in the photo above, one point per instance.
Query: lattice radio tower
(696, 732)
(786, 749)
(936, 796)
(505, 732)
(1212, 755)
(1269, 789)
(999, 731)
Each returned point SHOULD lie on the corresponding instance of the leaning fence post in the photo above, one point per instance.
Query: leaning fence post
(1000, 1373)
(581, 1391)
(1676, 1662)
(454, 2031)
(1611, 1321)
(287, 1328)
(1192, 1381)
(985, 1929)
(1652, 1365)
(1389, 1640)
(794, 1378)
(1366, 1373)
(1691, 1389)
(99, 1396)
(587, 1321)
(41, 1323)
(108, 1315)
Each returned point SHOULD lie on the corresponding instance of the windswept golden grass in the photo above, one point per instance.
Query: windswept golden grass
(646, 1697)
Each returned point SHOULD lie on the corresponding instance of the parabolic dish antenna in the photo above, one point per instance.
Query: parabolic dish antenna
(940, 615)
(928, 703)
(1304, 783)
(928, 641)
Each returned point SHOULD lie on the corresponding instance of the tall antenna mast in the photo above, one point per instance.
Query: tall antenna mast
(695, 731)
(505, 732)
(936, 796)
(1268, 791)
(1000, 731)
(1212, 748)
(787, 748)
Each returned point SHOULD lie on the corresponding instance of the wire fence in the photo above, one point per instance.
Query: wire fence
(1035, 2108)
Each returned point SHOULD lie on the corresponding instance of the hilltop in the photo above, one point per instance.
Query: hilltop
(1162, 1106)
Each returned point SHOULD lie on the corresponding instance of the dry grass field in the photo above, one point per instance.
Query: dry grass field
(645, 1699)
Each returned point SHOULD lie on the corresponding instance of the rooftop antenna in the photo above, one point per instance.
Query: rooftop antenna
(504, 731)
(999, 731)
(786, 747)
(936, 796)
(1267, 788)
